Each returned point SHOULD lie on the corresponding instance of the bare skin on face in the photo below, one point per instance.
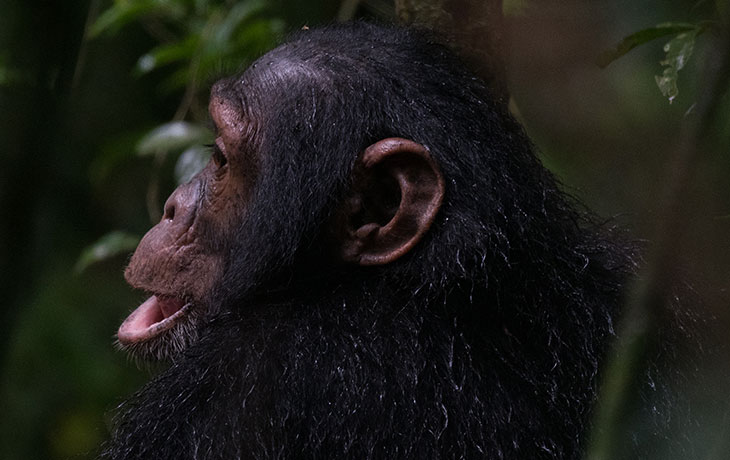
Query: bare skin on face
(177, 262)
(180, 261)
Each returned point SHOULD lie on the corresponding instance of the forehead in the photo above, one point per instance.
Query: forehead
(261, 78)
(225, 113)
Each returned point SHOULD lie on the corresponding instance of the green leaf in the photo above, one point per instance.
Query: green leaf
(190, 162)
(176, 135)
(108, 246)
(667, 83)
(220, 42)
(233, 19)
(166, 54)
(119, 15)
(258, 36)
(124, 12)
(641, 37)
(678, 50)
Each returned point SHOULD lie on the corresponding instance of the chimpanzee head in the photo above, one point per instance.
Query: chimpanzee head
(363, 150)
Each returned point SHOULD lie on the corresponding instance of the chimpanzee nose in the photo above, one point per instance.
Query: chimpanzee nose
(180, 206)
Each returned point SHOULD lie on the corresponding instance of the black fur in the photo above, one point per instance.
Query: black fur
(484, 342)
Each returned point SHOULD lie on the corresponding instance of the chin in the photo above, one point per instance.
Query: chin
(160, 328)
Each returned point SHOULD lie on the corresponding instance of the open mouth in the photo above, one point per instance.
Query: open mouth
(156, 314)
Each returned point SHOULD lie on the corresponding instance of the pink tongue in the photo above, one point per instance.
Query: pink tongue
(169, 305)
(139, 325)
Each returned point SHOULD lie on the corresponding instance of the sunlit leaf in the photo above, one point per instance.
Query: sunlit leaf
(641, 37)
(176, 135)
(667, 83)
(109, 245)
(190, 162)
(678, 50)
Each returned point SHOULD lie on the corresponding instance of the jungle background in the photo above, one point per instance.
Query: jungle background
(102, 112)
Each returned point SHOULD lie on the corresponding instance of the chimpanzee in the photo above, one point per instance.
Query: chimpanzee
(373, 265)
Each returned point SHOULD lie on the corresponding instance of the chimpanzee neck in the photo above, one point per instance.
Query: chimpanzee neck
(322, 379)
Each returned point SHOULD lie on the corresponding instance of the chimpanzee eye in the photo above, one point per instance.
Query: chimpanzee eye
(218, 157)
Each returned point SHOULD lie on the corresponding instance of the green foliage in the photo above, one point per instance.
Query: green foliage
(124, 12)
(176, 135)
(639, 38)
(62, 371)
(678, 50)
(190, 162)
(197, 42)
(109, 245)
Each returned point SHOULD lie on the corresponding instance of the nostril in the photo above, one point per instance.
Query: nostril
(179, 208)
(169, 211)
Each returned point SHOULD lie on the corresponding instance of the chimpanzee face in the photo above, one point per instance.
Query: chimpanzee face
(396, 190)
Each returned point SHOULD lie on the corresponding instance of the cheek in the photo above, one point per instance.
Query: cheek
(186, 255)
(180, 266)
(222, 217)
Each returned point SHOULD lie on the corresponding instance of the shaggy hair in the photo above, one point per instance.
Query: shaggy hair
(485, 341)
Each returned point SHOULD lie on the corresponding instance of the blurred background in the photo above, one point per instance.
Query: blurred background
(102, 112)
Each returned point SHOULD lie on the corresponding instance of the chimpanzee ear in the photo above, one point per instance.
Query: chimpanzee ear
(397, 192)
